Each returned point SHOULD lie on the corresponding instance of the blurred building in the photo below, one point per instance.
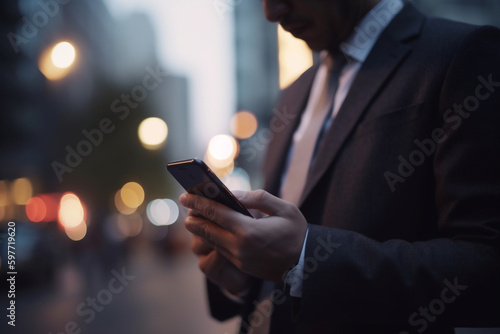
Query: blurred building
(257, 79)
(75, 128)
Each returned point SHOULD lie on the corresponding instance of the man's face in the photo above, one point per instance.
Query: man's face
(322, 24)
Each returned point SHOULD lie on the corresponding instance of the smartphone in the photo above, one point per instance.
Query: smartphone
(197, 178)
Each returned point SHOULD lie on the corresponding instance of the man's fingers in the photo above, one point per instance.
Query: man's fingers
(213, 211)
(214, 223)
(211, 264)
(213, 235)
(223, 273)
(263, 201)
(200, 246)
(207, 263)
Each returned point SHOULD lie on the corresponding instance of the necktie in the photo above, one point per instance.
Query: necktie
(315, 120)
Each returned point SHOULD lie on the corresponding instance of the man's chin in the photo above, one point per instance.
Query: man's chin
(318, 46)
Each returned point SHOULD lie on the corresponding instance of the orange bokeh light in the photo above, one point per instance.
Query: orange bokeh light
(122, 207)
(36, 210)
(244, 124)
(52, 204)
(42, 208)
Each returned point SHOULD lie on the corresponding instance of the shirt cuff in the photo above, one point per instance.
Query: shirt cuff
(294, 278)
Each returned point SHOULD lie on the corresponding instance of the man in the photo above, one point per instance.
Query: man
(397, 225)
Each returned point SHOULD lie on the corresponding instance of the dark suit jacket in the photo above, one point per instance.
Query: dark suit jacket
(403, 200)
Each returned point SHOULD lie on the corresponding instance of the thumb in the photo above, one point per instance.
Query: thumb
(263, 201)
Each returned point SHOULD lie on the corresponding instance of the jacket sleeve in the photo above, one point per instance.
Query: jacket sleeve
(453, 279)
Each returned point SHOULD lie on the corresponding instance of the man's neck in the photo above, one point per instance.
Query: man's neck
(364, 8)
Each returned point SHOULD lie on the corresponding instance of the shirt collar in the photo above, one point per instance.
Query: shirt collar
(361, 41)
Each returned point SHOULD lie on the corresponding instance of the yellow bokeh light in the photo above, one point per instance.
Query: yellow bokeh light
(132, 195)
(244, 124)
(294, 57)
(55, 62)
(4, 193)
(3, 213)
(22, 191)
(7, 212)
(77, 232)
(122, 207)
(71, 211)
(153, 132)
(63, 55)
(220, 169)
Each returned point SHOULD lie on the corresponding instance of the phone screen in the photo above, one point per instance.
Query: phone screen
(197, 178)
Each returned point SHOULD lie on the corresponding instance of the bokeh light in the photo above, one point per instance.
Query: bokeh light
(76, 233)
(22, 191)
(52, 202)
(43, 208)
(162, 212)
(55, 62)
(132, 195)
(122, 207)
(63, 55)
(222, 147)
(71, 211)
(3, 213)
(153, 132)
(4, 193)
(221, 152)
(36, 210)
(222, 171)
(244, 124)
(6, 209)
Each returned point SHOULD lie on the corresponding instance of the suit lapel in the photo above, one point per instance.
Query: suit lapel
(387, 54)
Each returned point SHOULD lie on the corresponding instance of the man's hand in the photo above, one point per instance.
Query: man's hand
(218, 269)
(266, 247)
